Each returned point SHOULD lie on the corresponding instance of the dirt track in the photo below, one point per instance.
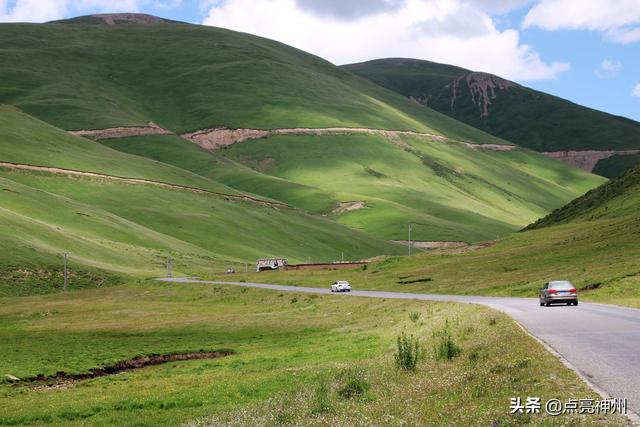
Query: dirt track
(215, 138)
(220, 137)
(139, 181)
(122, 132)
(587, 159)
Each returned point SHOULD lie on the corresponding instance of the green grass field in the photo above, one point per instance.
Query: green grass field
(518, 114)
(286, 346)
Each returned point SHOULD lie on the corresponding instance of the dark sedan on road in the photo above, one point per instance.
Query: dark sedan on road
(558, 292)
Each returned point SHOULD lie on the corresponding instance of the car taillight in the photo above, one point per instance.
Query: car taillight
(573, 291)
(553, 291)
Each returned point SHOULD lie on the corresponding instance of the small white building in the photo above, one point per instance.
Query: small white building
(271, 264)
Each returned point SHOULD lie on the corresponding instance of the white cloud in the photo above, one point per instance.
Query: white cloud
(499, 6)
(608, 69)
(636, 90)
(452, 31)
(624, 35)
(618, 20)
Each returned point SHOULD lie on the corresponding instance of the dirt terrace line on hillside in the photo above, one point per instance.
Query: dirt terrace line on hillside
(587, 159)
(122, 132)
(215, 138)
(74, 172)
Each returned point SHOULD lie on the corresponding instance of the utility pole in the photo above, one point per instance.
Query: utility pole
(409, 239)
(66, 275)
(169, 267)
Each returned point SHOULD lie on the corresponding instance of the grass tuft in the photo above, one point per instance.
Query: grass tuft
(407, 352)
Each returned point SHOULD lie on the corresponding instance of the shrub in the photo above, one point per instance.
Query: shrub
(492, 321)
(408, 349)
(475, 355)
(415, 316)
(355, 385)
(446, 347)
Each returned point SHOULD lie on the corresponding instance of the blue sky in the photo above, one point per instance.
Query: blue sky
(587, 51)
(586, 83)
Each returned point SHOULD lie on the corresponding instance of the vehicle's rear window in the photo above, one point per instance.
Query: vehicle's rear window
(561, 285)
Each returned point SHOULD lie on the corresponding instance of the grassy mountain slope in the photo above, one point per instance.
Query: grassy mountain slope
(616, 165)
(171, 149)
(187, 77)
(81, 74)
(617, 198)
(593, 242)
(114, 228)
(26, 140)
(452, 191)
(518, 114)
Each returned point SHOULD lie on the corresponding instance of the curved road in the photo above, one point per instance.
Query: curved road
(600, 342)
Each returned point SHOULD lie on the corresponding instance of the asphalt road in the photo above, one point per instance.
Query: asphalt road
(600, 342)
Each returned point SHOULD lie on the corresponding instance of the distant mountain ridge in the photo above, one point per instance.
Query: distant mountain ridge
(115, 19)
(578, 135)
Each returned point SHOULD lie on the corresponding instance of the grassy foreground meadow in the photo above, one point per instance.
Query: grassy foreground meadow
(298, 359)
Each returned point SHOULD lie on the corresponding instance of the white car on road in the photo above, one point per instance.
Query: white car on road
(341, 286)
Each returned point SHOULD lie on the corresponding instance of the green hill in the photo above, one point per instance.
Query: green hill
(616, 165)
(114, 226)
(454, 192)
(503, 108)
(83, 74)
(346, 192)
(617, 198)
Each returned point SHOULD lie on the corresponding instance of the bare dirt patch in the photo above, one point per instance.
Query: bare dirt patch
(122, 132)
(344, 207)
(139, 181)
(491, 147)
(61, 378)
(212, 139)
(587, 159)
(421, 244)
